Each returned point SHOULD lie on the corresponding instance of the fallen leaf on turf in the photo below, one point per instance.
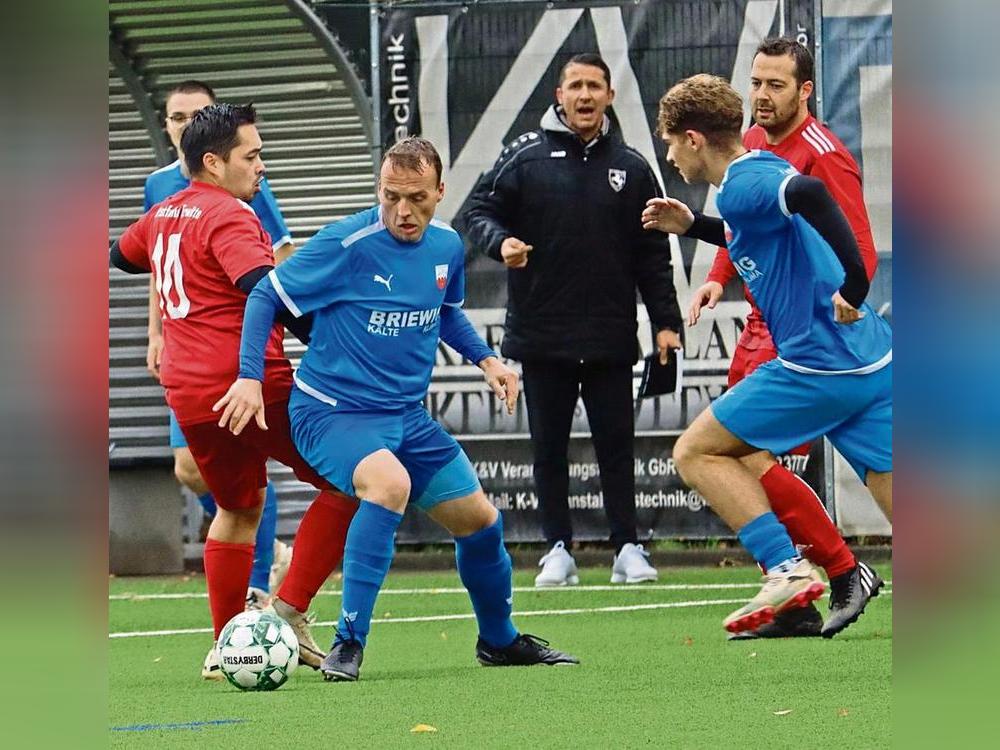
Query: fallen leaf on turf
(688, 641)
(842, 712)
(753, 654)
(444, 636)
(387, 614)
(423, 728)
(782, 712)
(157, 659)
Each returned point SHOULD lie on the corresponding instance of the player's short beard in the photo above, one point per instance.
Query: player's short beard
(775, 125)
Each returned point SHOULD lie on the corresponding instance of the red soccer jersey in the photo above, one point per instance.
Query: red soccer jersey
(198, 243)
(813, 150)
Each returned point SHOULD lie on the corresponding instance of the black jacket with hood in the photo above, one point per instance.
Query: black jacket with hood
(579, 206)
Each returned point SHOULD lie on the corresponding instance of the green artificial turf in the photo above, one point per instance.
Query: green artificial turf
(662, 677)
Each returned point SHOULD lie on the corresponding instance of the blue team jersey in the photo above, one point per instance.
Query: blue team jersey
(792, 273)
(168, 180)
(377, 304)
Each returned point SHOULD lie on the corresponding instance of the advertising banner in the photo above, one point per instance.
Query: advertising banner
(666, 508)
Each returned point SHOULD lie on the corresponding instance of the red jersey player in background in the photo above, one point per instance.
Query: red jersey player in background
(781, 82)
(207, 250)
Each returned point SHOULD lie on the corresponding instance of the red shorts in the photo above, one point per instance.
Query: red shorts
(235, 466)
(752, 351)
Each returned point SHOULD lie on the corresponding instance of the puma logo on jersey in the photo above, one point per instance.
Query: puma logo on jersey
(382, 280)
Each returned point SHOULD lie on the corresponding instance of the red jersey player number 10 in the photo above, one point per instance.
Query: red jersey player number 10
(170, 276)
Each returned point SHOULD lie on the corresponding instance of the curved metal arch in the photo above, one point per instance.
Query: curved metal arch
(333, 49)
(150, 118)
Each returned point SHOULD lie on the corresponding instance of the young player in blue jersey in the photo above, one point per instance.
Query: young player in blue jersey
(384, 285)
(182, 101)
(795, 250)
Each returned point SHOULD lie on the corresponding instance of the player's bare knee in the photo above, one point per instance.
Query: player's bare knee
(187, 472)
(481, 516)
(391, 491)
(237, 523)
(466, 515)
(685, 455)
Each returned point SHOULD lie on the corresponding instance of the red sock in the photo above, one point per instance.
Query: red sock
(318, 547)
(802, 513)
(227, 571)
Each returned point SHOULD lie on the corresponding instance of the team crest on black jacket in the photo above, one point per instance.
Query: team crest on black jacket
(616, 178)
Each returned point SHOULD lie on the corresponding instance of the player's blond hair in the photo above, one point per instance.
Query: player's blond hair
(704, 103)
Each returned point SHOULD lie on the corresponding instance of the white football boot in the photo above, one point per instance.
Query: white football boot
(212, 668)
(558, 568)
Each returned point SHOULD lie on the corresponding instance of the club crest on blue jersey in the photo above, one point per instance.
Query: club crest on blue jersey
(441, 275)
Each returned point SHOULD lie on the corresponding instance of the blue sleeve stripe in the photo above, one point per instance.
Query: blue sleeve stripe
(455, 304)
(287, 238)
(292, 307)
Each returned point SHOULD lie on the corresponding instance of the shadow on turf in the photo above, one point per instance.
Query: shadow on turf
(394, 675)
(876, 635)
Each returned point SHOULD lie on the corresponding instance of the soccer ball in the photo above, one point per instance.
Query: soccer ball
(258, 651)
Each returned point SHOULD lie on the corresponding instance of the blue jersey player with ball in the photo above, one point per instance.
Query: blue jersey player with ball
(384, 285)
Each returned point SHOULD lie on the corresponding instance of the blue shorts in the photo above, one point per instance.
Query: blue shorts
(776, 409)
(334, 442)
(177, 439)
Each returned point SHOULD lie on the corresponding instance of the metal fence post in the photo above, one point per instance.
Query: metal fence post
(374, 41)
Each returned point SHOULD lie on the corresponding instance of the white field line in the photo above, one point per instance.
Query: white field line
(460, 590)
(470, 616)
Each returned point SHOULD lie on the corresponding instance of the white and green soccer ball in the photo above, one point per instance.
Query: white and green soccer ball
(258, 651)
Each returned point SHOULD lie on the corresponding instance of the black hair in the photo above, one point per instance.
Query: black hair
(190, 86)
(587, 58)
(214, 130)
(779, 46)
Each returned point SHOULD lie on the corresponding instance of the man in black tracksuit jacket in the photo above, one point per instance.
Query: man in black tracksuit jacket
(561, 208)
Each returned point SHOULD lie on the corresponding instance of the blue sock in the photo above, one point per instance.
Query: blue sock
(207, 504)
(768, 541)
(485, 569)
(367, 556)
(263, 554)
